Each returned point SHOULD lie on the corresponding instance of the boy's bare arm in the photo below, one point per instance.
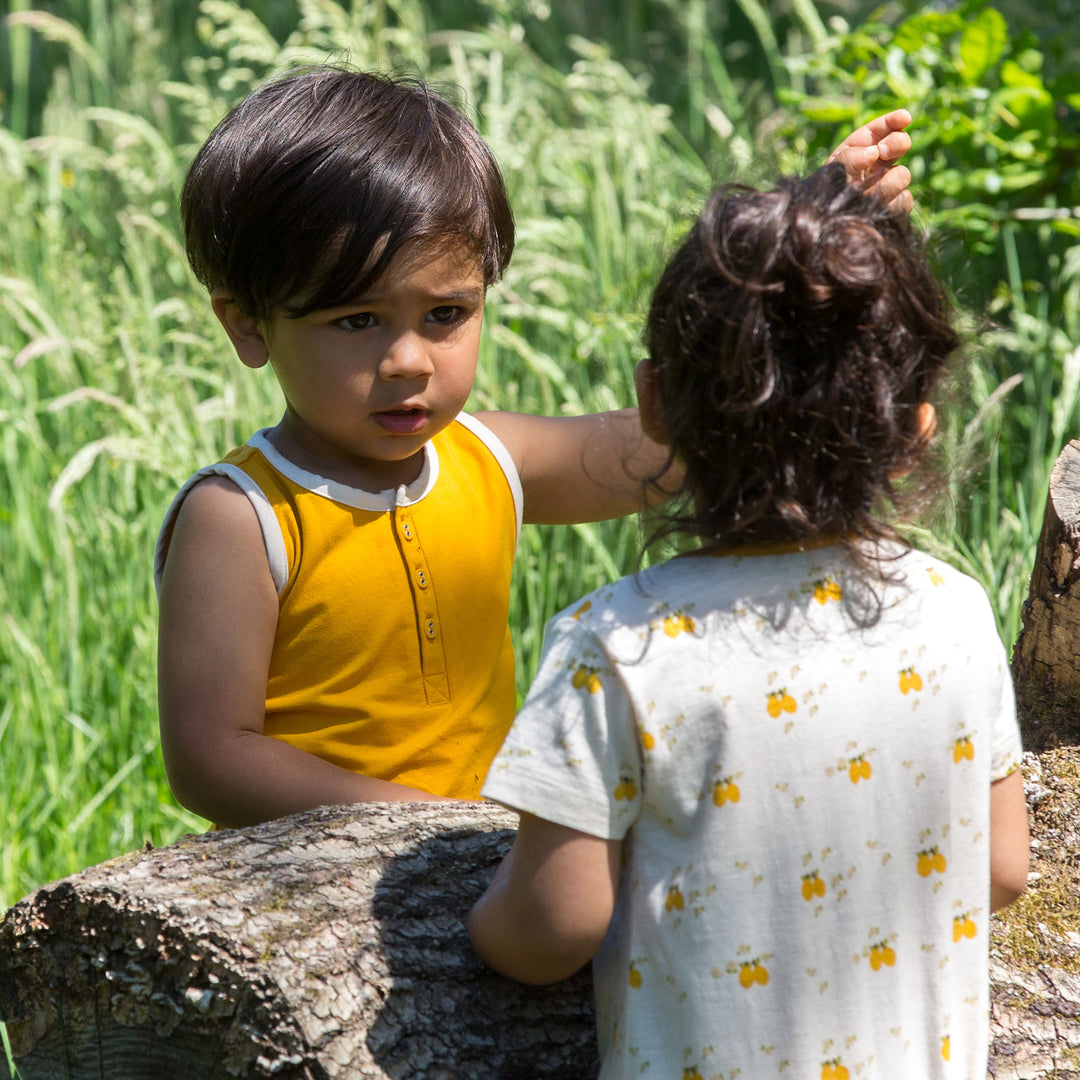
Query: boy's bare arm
(548, 908)
(584, 468)
(218, 614)
(1010, 845)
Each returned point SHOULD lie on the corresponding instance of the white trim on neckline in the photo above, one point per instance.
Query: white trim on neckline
(405, 495)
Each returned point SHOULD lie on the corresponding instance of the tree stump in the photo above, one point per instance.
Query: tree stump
(329, 944)
(1046, 659)
(1036, 970)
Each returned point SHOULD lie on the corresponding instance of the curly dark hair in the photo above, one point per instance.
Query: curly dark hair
(794, 334)
(307, 189)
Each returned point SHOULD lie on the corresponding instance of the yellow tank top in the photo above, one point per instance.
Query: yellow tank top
(393, 655)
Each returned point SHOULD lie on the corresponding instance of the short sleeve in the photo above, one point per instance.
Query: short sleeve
(572, 754)
(1006, 738)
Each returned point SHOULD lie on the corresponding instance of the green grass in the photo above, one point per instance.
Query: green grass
(116, 382)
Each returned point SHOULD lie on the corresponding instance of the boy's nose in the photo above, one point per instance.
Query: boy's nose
(407, 357)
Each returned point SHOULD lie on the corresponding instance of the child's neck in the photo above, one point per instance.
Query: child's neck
(366, 474)
(769, 547)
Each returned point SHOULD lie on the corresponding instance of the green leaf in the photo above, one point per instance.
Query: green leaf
(1025, 108)
(1066, 88)
(982, 44)
(1007, 179)
(1030, 59)
(1012, 74)
(1068, 226)
(951, 182)
(827, 110)
(927, 29)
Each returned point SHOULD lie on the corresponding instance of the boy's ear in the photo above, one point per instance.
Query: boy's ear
(243, 330)
(650, 405)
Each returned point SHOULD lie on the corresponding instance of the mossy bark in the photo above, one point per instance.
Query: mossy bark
(1035, 948)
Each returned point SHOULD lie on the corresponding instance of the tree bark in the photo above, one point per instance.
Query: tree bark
(1046, 659)
(330, 944)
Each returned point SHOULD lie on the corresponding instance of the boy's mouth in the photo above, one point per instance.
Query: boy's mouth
(401, 421)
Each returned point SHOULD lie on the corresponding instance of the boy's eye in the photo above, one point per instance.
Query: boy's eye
(444, 314)
(362, 320)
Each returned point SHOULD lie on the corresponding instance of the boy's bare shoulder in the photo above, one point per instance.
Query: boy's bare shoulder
(217, 518)
(215, 500)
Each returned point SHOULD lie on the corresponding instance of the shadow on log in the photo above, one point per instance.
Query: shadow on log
(330, 944)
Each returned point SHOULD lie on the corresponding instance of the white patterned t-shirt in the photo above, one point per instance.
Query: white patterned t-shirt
(799, 764)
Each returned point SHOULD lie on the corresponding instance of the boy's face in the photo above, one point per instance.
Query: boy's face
(369, 383)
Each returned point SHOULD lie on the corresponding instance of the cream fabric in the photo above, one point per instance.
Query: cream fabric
(804, 802)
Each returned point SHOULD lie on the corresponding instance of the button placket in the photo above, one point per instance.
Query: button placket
(432, 654)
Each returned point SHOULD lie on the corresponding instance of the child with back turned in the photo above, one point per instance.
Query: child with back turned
(334, 593)
(772, 783)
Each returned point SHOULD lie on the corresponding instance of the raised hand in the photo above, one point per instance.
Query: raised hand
(870, 155)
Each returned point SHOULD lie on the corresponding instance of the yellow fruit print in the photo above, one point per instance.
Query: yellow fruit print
(859, 769)
(882, 954)
(812, 885)
(674, 901)
(635, 978)
(581, 610)
(930, 860)
(945, 1047)
(625, 789)
(910, 680)
(585, 677)
(691, 1073)
(963, 748)
(833, 1070)
(725, 790)
(676, 623)
(963, 927)
(751, 972)
(825, 589)
(779, 701)
(935, 579)
(648, 742)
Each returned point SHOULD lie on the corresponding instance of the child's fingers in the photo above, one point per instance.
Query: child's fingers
(886, 130)
(869, 155)
(857, 158)
(895, 145)
(892, 188)
(882, 126)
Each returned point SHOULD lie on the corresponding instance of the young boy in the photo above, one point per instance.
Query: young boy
(334, 593)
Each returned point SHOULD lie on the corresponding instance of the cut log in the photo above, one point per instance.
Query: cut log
(330, 944)
(333, 945)
(1046, 659)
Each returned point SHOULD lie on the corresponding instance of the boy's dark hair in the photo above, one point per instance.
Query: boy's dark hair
(794, 333)
(308, 188)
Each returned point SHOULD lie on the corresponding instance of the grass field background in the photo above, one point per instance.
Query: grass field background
(611, 122)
